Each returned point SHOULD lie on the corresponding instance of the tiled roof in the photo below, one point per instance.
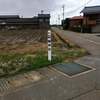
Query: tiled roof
(91, 9)
(44, 15)
(22, 20)
(9, 16)
(76, 17)
(21, 23)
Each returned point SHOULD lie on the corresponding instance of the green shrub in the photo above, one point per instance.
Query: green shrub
(75, 29)
(41, 61)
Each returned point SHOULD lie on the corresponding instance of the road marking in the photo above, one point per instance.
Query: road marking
(89, 40)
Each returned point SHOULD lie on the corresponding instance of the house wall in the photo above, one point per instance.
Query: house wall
(44, 24)
(86, 21)
(73, 22)
(96, 28)
(30, 26)
(93, 22)
(34, 22)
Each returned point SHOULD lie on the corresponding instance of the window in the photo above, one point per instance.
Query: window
(47, 20)
(92, 17)
(40, 20)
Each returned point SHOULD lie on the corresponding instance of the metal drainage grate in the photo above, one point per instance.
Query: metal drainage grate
(71, 69)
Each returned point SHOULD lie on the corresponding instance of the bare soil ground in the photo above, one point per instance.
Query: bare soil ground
(20, 41)
(23, 50)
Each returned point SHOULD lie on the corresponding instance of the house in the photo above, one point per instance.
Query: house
(23, 23)
(91, 18)
(42, 21)
(76, 21)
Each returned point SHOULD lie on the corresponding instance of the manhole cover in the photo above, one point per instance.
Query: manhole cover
(71, 69)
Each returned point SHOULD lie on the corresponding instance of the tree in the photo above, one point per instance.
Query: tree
(65, 24)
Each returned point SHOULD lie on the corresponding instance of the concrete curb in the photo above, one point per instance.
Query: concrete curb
(71, 44)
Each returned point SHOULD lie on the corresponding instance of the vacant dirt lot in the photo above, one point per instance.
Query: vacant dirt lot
(19, 41)
(23, 50)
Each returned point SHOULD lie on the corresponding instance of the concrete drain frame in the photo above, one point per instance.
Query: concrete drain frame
(89, 69)
(98, 35)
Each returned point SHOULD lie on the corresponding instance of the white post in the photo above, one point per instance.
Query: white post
(49, 45)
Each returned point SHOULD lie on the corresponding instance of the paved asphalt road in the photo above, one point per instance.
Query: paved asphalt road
(90, 42)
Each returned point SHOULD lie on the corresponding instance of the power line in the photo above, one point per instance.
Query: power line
(63, 10)
(79, 7)
(67, 12)
(64, 7)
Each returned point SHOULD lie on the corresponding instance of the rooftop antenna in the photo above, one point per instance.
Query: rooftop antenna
(42, 11)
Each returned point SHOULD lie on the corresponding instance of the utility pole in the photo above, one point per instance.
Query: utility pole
(63, 10)
(63, 14)
(59, 19)
(42, 11)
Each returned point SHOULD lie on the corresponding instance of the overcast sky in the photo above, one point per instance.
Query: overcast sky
(30, 8)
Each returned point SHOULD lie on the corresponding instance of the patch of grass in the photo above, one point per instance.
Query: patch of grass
(12, 57)
(39, 62)
(20, 63)
(9, 68)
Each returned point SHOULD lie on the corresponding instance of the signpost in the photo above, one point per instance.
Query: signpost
(49, 45)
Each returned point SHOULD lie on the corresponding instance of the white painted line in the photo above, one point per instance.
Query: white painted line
(89, 40)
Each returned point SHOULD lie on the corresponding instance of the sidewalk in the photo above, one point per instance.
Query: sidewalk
(90, 42)
(11, 83)
(56, 86)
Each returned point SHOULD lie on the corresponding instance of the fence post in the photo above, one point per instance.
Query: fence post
(49, 45)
